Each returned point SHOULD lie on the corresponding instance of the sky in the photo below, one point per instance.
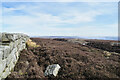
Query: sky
(85, 19)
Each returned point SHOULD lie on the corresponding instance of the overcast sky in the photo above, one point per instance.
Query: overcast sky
(61, 18)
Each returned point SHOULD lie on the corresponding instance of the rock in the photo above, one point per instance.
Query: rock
(30, 43)
(107, 54)
(115, 44)
(85, 43)
(79, 41)
(52, 70)
(10, 46)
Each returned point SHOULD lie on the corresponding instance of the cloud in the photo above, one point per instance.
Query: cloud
(0, 16)
(77, 17)
(91, 31)
(13, 9)
(68, 17)
(60, 0)
(88, 31)
(63, 20)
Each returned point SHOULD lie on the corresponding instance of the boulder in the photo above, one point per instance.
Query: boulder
(30, 43)
(107, 54)
(52, 70)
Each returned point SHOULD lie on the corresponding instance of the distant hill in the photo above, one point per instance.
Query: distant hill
(103, 38)
(72, 37)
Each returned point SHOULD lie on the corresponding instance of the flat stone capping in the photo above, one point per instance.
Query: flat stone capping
(12, 36)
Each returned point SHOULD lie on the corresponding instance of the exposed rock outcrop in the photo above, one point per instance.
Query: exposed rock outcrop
(79, 41)
(10, 46)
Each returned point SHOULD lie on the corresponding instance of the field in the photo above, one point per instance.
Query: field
(76, 60)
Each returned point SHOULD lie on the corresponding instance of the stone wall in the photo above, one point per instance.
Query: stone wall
(10, 46)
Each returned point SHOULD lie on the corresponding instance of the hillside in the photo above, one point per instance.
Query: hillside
(76, 60)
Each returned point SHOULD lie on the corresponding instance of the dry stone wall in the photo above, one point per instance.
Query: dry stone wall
(10, 46)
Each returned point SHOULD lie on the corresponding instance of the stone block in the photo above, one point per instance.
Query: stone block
(6, 51)
(2, 66)
(52, 70)
(5, 73)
